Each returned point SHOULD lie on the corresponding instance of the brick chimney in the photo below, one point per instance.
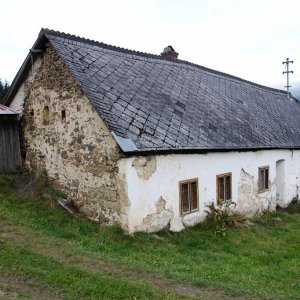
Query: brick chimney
(169, 52)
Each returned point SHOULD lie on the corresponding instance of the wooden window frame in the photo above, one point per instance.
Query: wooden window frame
(219, 201)
(180, 184)
(259, 177)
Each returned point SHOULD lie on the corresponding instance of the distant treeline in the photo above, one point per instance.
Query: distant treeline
(4, 86)
(296, 93)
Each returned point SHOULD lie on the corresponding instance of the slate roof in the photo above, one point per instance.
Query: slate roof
(152, 103)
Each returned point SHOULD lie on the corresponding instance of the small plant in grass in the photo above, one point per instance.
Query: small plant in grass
(267, 217)
(130, 235)
(224, 216)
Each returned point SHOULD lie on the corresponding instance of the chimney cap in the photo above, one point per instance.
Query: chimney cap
(168, 48)
(169, 52)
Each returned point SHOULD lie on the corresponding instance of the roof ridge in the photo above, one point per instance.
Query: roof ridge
(101, 44)
(154, 56)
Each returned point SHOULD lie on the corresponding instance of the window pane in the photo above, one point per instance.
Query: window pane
(185, 197)
(228, 187)
(194, 201)
(221, 188)
(266, 179)
(261, 179)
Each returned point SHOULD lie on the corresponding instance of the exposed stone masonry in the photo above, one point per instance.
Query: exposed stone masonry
(75, 147)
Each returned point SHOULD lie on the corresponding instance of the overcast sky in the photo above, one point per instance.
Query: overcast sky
(246, 38)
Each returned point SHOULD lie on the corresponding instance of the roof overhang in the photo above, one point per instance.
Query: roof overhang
(7, 111)
(157, 151)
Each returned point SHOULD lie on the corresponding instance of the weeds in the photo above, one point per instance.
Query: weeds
(224, 217)
(44, 189)
(267, 217)
(293, 207)
(30, 187)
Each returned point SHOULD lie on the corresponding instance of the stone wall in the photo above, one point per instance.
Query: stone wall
(64, 135)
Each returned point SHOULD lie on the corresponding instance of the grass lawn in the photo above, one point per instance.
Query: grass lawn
(70, 257)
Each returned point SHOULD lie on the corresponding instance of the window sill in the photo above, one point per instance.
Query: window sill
(264, 191)
(182, 214)
(221, 203)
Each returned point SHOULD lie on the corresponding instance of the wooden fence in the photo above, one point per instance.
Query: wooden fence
(10, 154)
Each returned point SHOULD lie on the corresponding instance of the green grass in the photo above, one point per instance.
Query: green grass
(73, 281)
(262, 260)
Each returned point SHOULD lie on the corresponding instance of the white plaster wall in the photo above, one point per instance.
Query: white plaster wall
(144, 193)
(17, 103)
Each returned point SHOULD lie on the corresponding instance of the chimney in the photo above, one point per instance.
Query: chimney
(169, 52)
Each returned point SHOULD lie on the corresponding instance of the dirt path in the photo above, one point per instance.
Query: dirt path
(61, 252)
(19, 288)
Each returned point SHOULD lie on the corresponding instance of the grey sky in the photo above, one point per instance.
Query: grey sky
(249, 39)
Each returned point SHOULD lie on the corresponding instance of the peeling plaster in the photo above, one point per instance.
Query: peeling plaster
(145, 166)
(158, 220)
(176, 225)
(250, 201)
(123, 198)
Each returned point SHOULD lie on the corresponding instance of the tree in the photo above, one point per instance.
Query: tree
(296, 90)
(4, 86)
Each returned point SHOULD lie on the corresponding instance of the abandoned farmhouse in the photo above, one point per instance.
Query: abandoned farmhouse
(148, 141)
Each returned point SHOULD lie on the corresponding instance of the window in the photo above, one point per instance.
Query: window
(263, 178)
(31, 117)
(188, 196)
(46, 115)
(63, 115)
(223, 188)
